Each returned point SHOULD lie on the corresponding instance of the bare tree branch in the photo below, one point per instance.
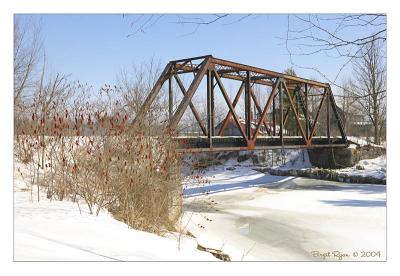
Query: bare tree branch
(27, 51)
(369, 87)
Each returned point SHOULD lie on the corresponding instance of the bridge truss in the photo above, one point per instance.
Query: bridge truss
(309, 106)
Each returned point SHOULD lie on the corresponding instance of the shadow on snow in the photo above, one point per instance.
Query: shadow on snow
(356, 203)
(230, 186)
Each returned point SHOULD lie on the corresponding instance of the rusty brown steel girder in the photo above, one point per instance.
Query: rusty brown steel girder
(296, 104)
(188, 69)
(191, 59)
(335, 111)
(285, 118)
(245, 148)
(195, 113)
(317, 115)
(296, 115)
(264, 113)
(235, 101)
(266, 72)
(152, 95)
(257, 105)
(231, 108)
(189, 95)
(237, 67)
(210, 111)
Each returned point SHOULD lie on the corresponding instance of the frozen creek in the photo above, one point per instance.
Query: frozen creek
(270, 218)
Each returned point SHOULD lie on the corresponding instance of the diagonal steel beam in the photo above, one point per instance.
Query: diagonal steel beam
(296, 114)
(304, 107)
(235, 117)
(334, 107)
(317, 115)
(285, 118)
(267, 106)
(256, 103)
(195, 113)
(235, 101)
(152, 95)
(189, 95)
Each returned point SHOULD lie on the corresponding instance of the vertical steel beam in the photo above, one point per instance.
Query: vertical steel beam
(328, 120)
(170, 98)
(281, 111)
(247, 105)
(209, 121)
(212, 94)
(274, 115)
(306, 110)
(297, 106)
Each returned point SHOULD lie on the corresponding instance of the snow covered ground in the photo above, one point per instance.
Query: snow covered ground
(247, 214)
(274, 218)
(231, 176)
(363, 141)
(58, 231)
(376, 167)
(369, 167)
(295, 159)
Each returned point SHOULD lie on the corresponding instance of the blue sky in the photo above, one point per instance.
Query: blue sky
(94, 48)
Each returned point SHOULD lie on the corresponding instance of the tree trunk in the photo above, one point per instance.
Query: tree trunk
(376, 134)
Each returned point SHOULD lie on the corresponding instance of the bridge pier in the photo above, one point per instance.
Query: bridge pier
(333, 158)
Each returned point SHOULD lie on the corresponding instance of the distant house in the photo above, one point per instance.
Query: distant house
(358, 125)
(233, 130)
(290, 128)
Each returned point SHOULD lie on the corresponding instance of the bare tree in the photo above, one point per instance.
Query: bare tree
(347, 104)
(142, 23)
(369, 86)
(27, 48)
(336, 36)
(316, 33)
(134, 84)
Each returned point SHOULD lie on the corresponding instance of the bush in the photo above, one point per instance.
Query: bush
(134, 176)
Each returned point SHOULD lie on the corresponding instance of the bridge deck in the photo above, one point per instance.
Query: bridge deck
(231, 143)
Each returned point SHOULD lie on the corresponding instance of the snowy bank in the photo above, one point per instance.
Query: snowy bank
(369, 171)
(61, 231)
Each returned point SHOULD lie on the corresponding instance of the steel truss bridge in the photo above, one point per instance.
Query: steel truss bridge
(309, 106)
